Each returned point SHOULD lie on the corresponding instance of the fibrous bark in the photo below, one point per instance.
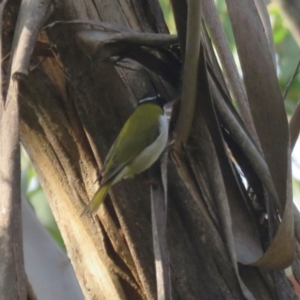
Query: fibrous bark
(72, 107)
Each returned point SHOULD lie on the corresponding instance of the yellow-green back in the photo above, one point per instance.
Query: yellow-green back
(139, 131)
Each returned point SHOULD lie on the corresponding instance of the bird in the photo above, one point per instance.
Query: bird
(139, 144)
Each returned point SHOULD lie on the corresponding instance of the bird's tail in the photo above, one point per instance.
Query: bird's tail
(98, 198)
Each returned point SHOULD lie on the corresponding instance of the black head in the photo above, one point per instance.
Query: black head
(152, 97)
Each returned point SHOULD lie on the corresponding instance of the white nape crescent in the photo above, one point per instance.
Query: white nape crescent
(148, 99)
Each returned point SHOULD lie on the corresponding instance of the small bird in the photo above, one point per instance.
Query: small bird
(139, 144)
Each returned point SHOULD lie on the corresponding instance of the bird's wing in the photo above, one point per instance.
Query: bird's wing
(132, 139)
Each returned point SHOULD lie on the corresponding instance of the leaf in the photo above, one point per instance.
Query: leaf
(32, 16)
(239, 233)
(269, 118)
(158, 194)
(263, 91)
(30, 19)
(212, 20)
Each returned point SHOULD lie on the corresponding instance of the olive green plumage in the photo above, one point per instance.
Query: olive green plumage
(138, 145)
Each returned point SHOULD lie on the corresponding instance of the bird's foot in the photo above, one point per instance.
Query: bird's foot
(169, 146)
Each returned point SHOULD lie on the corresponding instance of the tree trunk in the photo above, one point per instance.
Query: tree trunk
(72, 109)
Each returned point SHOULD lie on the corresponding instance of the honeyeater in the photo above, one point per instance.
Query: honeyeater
(139, 144)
